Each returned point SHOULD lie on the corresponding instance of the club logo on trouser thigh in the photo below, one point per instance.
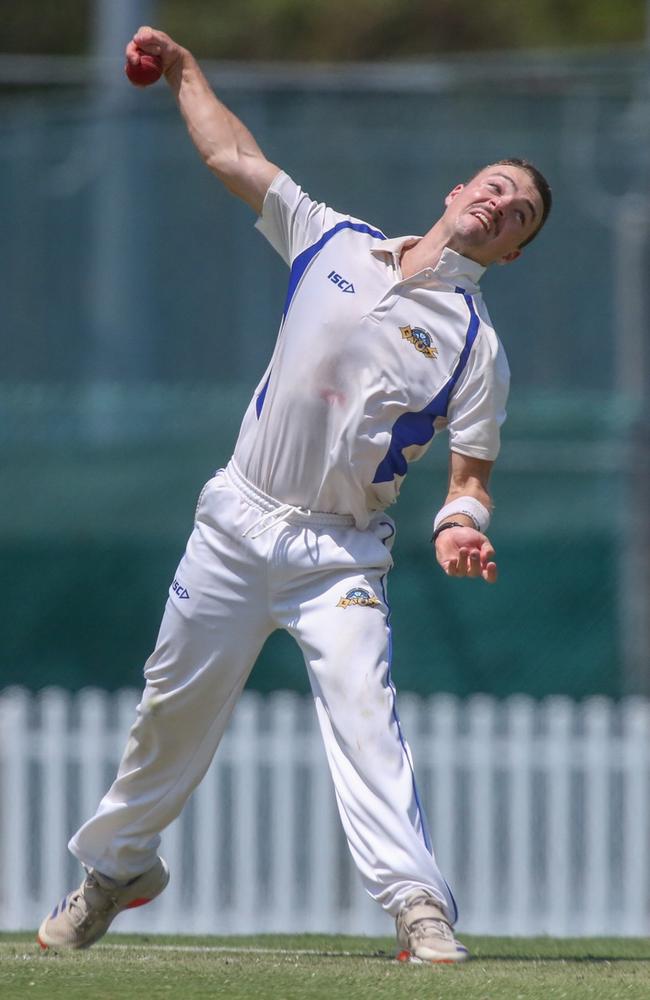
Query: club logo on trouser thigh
(360, 597)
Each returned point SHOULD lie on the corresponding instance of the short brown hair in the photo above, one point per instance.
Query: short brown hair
(540, 182)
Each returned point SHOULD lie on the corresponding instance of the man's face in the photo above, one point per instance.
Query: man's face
(493, 214)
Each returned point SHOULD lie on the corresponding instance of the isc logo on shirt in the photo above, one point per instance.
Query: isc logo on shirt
(345, 286)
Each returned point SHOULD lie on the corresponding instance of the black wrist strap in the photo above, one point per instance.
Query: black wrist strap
(443, 527)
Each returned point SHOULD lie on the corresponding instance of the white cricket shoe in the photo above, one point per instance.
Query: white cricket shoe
(425, 934)
(82, 917)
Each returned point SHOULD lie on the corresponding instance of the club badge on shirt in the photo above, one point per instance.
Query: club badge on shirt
(360, 597)
(420, 339)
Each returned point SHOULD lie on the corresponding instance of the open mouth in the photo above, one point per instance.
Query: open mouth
(484, 218)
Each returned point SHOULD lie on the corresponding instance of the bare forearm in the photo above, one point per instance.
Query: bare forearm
(462, 548)
(469, 477)
(223, 141)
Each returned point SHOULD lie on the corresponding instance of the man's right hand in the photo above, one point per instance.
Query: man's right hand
(155, 43)
(224, 142)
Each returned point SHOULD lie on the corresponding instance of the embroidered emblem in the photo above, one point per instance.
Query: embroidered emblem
(420, 339)
(360, 597)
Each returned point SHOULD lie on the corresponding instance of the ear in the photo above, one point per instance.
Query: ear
(452, 194)
(509, 257)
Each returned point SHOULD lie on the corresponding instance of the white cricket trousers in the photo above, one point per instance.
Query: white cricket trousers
(251, 566)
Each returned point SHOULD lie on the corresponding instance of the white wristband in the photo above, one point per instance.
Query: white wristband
(469, 506)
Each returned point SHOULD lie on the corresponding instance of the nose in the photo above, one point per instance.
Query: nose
(496, 204)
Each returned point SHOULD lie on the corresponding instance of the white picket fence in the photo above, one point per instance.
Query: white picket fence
(540, 815)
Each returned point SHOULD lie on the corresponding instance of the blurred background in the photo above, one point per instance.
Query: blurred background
(138, 309)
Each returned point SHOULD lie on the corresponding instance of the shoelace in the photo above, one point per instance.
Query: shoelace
(81, 910)
(421, 928)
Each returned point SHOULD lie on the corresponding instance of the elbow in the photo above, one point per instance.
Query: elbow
(223, 164)
(230, 168)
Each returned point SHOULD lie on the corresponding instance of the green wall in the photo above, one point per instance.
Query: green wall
(138, 309)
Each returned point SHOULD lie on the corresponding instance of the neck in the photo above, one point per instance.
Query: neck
(427, 251)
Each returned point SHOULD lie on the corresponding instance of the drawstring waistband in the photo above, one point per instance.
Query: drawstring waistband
(272, 511)
(267, 520)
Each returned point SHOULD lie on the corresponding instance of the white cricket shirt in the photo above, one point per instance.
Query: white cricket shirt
(368, 366)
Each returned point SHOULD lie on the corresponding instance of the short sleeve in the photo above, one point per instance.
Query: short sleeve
(478, 405)
(291, 221)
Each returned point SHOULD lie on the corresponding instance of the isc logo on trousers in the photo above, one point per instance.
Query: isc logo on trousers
(360, 597)
(180, 590)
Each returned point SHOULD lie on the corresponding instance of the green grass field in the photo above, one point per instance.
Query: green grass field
(302, 967)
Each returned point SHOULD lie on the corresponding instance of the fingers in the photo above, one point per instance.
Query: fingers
(473, 563)
(142, 41)
(149, 40)
(488, 565)
(466, 563)
(132, 54)
(475, 559)
(490, 573)
(153, 43)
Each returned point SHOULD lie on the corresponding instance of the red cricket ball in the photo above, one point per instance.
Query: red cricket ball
(145, 72)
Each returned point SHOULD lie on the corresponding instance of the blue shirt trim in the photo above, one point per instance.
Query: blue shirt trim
(298, 268)
(304, 259)
(418, 428)
(259, 402)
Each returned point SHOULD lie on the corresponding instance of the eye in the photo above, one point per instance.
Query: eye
(521, 218)
(495, 187)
